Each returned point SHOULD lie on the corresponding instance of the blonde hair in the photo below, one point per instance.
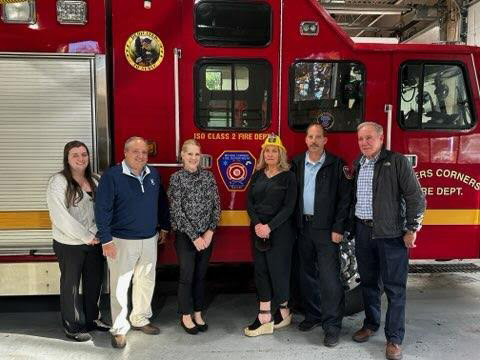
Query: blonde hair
(190, 142)
(282, 165)
(187, 143)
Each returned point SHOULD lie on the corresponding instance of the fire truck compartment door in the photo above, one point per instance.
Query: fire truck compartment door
(45, 101)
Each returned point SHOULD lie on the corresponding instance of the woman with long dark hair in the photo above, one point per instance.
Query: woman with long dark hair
(70, 198)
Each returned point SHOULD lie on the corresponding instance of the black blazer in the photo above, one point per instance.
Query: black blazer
(333, 193)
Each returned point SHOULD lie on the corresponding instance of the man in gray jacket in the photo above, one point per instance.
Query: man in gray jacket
(388, 211)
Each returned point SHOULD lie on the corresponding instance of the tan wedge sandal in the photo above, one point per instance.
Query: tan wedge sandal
(257, 328)
(278, 321)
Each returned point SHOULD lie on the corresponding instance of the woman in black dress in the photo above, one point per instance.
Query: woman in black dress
(271, 201)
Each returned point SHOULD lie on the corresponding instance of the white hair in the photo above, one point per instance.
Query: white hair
(132, 139)
(377, 127)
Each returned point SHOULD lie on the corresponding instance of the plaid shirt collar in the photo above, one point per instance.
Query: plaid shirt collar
(363, 159)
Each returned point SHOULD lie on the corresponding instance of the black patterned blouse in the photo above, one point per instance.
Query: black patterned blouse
(194, 202)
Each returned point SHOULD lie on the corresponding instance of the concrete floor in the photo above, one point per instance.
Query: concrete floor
(443, 322)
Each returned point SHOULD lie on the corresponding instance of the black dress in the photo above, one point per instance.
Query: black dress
(272, 201)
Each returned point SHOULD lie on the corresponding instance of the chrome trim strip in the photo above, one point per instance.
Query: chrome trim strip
(388, 109)
(280, 70)
(177, 54)
(476, 76)
(101, 128)
(47, 55)
(175, 165)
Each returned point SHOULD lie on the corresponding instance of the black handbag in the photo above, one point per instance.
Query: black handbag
(262, 244)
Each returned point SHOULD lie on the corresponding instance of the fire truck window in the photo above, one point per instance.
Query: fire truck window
(329, 92)
(434, 96)
(232, 95)
(232, 24)
(220, 78)
(409, 93)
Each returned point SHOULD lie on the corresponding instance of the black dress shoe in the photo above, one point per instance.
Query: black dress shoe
(307, 325)
(97, 325)
(78, 336)
(331, 339)
(201, 327)
(191, 331)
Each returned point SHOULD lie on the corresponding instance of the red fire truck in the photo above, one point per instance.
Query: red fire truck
(226, 73)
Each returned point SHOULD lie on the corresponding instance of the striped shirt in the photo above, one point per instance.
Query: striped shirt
(363, 207)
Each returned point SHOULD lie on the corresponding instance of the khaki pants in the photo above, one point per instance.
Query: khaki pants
(137, 259)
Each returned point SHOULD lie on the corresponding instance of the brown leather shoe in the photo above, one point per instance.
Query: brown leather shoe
(148, 329)
(393, 351)
(119, 341)
(362, 335)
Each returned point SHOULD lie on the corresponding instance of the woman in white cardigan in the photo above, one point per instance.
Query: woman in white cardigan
(70, 199)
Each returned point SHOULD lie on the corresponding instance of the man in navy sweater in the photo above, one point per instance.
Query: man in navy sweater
(130, 205)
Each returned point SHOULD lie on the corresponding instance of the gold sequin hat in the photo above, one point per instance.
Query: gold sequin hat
(273, 140)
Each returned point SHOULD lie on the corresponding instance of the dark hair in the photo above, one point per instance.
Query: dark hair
(316, 123)
(74, 193)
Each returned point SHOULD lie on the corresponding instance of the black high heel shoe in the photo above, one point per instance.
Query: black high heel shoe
(201, 327)
(191, 331)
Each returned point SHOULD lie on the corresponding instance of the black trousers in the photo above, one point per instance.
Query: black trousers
(85, 262)
(193, 270)
(382, 261)
(320, 282)
(272, 267)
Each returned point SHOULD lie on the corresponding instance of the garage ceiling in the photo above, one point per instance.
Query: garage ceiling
(402, 19)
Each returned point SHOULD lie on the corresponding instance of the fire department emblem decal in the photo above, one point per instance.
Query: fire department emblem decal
(236, 169)
(144, 50)
(326, 120)
(347, 172)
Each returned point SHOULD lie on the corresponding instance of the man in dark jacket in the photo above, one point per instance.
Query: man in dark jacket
(324, 195)
(388, 211)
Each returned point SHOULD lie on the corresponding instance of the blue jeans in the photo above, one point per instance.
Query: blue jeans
(382, 262)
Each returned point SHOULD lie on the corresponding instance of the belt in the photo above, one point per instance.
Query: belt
(307, 218)
(366, 222)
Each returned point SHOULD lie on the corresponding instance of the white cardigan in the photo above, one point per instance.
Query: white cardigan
(72, 226)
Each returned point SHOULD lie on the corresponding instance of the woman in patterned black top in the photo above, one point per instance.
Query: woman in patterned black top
(270, 204)
(195, 212)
